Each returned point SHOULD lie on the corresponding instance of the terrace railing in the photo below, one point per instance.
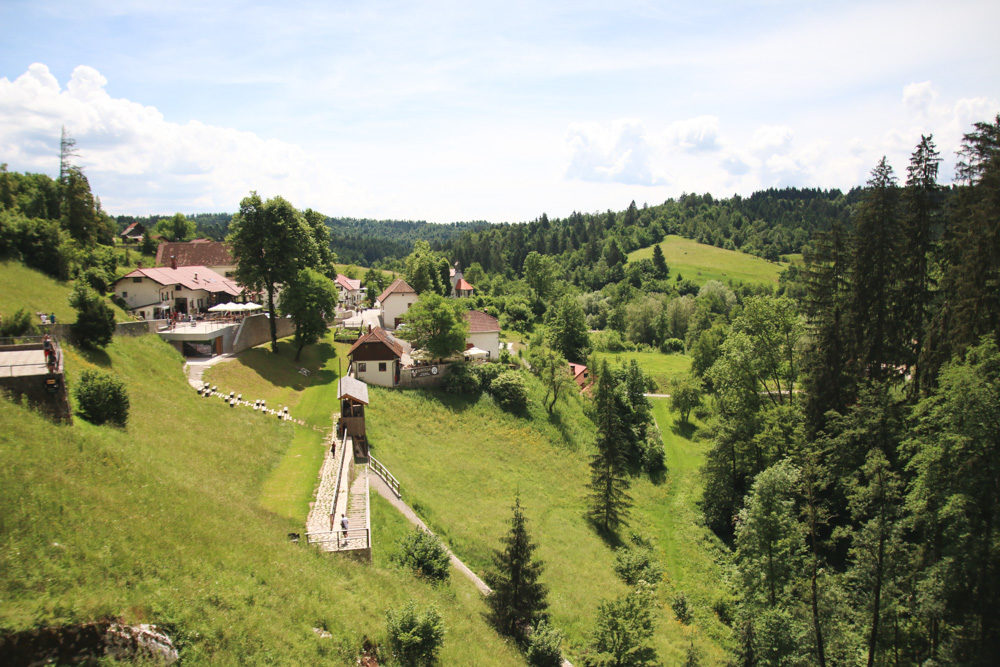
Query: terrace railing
(376, 466)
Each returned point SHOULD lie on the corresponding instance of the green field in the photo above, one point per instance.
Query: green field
(161, 522)
(700, 263)
(661, 367)
(461, 462)
(38, 293)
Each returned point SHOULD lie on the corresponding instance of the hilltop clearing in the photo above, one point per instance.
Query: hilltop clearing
(700, 263)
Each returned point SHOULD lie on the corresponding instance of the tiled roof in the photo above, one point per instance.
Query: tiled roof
(128, 230)
(480, 322)
(378, 335)
(200, 252)
(352, 388)
(191, 277)
(462, 284)
(348, 283)
(398, 286)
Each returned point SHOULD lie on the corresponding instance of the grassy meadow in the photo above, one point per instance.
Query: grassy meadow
(460, 462)
(161, 522)
(37, 292)
(661, 367)
(700, 263)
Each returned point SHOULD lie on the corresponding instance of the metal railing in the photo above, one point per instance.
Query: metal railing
(340, 540)
(32, 343)
(384, 473)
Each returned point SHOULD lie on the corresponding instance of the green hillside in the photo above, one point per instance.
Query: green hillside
(661, 367)
(36, 292)
(161, 522)
(700, 263)
(460, 464)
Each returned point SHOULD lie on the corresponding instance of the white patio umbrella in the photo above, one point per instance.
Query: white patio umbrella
(252, 306)
(218, 308)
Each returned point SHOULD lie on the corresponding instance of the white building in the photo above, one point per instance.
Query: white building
(156, 293)
(484, 333)
(394, 301)
(377, 358)
(350, 294)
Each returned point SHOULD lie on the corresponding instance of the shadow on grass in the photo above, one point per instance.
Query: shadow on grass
(453, 402)
(282, 370)
(556, 419)
(96, 356)
(609, 537)
(684, 429)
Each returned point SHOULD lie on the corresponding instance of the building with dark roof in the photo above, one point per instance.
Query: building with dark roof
(214, 255)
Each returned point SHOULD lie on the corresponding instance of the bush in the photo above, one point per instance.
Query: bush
(414, 637)
(653, 455)
(610, 340)
(96, 278)
(95, 321)
(672, 346)
(680, 606)
(424, 554)
(101, 398)
(510, 392)
(18, 324)
(461, 380)
(637, 562)
(544, 646)
(486, 373)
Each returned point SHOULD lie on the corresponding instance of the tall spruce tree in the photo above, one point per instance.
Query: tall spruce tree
(609, 482)
(660, 262)
(518, 599)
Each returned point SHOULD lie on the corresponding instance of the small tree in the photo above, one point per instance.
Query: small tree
(18, 324)
(95, 320)
(424, 554)
(685, 395)
(637, 562)
(544, 646)
(518, 598)
(510, 392)
(623, 627)
(436, 324)
(553, 370)
(309, 300)
(101, 398)
(609, 499)
(176, 228)
(660, 262)
(567, 329)
(415, 637)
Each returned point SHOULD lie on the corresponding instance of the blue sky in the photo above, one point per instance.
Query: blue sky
(450, 111)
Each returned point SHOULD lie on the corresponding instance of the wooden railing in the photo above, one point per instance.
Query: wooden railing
(384, 473)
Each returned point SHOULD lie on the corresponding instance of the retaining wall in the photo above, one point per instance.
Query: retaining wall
(256, 329)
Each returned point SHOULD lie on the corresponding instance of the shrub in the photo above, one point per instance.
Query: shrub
(486, 373)
(461, 380)
(672, 346)
(414, 637)
(95, 321)
(610, 340)
(681, 610)
(101, 398)
(510, 392)
(18, 324)
(637, 562)
(653, 455)
(544, 646)
(424, 554)
(96, 278)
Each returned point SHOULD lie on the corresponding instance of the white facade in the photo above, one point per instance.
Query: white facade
(394, 306)
(381, 373)
(142, 295)
(487, 340)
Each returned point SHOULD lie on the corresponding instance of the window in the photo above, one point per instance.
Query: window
(381, 367)
(124, 295)
(362, 367)
(137, 280)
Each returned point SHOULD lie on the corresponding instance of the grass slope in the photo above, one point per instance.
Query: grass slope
(38, 293)
(661, 367)
(160, 522)
(460, 463)
(700, 263)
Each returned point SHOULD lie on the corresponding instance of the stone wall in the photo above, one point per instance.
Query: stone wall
(34, 389)
(256, 329)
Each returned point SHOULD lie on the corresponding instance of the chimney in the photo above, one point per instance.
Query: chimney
(173, 261)
(140, 264)
(196, 276)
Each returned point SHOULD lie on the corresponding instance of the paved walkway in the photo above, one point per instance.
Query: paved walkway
(15, 363)
(195, 368)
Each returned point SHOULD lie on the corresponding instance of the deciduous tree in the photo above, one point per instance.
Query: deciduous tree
(310, 298)
(437, 325)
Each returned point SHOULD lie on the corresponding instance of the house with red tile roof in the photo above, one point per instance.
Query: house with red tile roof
(377, 357)
(581, 376)
(484, 333)
(463, 289)
(152, 293)
(214, 255)
(394, 301)
(350, 292)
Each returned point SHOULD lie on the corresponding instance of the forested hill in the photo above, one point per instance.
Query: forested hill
(356, 241)
(769, 223)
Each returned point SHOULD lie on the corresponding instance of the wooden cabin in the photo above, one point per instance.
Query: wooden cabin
(353, 396)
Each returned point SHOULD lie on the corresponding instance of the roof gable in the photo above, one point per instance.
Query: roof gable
(352, 388)
(378, 335)
(347, 283)
(480, 322)
(464, 285)
(190, 277)
(398, 286)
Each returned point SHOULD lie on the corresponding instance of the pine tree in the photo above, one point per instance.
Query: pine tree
(518, 599)
(660, 262)
(609, 482)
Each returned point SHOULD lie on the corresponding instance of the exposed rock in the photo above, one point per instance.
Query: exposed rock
(87, 642)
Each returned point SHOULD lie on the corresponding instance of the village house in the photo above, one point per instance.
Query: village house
(214, 255)
(460, 287)
(394, 302)
(581, 376)
(484, 333)
(350, 293)
(133, 233)
(377, 358)
(155, 293)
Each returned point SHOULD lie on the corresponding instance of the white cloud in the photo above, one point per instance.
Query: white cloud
(141, 162)
(695, 134)
(918, 97)
(618, 153)
(771, 139)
